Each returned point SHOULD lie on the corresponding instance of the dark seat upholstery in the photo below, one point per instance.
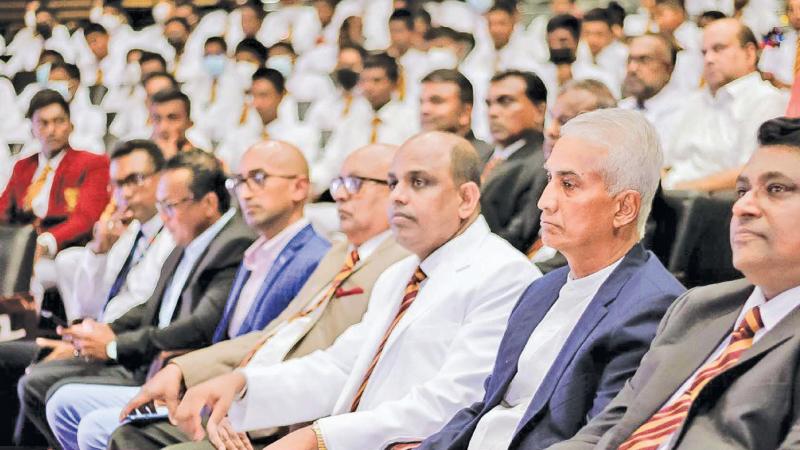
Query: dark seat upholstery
(17, 248)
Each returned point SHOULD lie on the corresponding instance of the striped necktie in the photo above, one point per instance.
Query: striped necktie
(412, 288)
(336, 283)
(36, 187)
(669, 418)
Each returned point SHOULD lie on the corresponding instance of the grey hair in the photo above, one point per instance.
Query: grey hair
(634, 158)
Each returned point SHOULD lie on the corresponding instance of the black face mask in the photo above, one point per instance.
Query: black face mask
(177, 44)
(562, 56)
(44, 30)
(346, 78)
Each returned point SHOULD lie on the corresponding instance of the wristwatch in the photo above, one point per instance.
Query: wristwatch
(111, 350)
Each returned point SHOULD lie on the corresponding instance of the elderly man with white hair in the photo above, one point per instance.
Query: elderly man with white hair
(579, 332)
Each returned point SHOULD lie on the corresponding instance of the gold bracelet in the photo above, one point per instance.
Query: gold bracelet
(320, 439)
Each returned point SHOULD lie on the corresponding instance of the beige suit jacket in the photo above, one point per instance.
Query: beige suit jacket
(754, 405)
(339, 314)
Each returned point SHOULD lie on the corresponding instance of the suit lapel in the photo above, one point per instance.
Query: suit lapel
(242, 275)
(167, 272)
(591, 317)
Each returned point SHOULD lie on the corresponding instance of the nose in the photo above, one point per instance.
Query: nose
(398, 195)
(746, 205)
(340, 194)
(553, 131)
(547, 201)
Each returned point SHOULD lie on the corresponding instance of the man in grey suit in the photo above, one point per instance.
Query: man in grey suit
(722, 372)
(445, 104)
(187, 302)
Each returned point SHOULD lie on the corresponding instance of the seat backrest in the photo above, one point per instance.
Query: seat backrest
(17, 248)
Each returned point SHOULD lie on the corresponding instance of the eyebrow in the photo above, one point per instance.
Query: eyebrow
(772, 175)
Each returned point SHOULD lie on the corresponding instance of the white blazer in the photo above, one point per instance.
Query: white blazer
(433, 364)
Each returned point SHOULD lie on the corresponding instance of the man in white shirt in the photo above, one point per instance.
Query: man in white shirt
(412, 62)
(573, 314)
(101, 69)
(672, 21)
(45, 34)
(388, 121)
(648, 83)
(263, 120)
(718, 124)
(724, 359)
(599, 46)
(780, 64)
(426, 341)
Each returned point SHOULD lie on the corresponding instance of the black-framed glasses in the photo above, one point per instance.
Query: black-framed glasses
(132, 180)
(168, 208)
(254, 179)
(352, 183)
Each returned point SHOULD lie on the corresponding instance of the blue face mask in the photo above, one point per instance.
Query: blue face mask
(62, 87)
(214, 65)
(43, 74)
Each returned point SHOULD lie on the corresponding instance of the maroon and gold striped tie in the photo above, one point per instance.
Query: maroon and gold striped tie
(669, 418)
(336, 283)
(408, 298)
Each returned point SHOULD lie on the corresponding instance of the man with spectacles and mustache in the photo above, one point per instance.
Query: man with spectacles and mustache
(334, 297)
(271, 187)
(187, 301)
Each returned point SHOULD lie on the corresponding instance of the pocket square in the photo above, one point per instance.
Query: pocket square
(344, 293)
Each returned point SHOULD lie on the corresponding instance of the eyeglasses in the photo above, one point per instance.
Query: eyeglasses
(352, 184)
(132, 180)
(254, 179)
(168, 208)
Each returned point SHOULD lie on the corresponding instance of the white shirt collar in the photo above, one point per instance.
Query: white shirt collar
(152, 227)
(506, 152)
(455, 248)
(370, 245)
(738, 87)
(54, 161)
(774, 310)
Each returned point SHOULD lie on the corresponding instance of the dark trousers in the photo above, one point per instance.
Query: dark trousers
(14, 358)
(42, 379)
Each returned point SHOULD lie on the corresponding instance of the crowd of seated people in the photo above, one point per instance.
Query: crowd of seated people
(399, 224)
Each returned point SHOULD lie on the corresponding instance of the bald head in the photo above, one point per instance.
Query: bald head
(374, 157)
(435, 196)
(272, 186)
(730, 51)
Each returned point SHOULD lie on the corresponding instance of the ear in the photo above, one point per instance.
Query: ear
(470, 195)
(629, 203)
(211, 202)
(466, 115)
(301, 189)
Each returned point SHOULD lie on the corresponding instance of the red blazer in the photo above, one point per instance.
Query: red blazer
(78, 196)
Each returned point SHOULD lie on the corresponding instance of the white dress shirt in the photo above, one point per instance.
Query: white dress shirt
(506, 152)
(661, 110)
(41, 202)
(780, 60)
(258, 260)
(288, 333)
(772, 312)
(94, 274)
(718, 132)
(613, 59)
(191, 255)
(496, 429)
(298, 23)
(433, 363)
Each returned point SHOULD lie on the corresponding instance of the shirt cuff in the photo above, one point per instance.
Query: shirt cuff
(49, 241)
(320, 438)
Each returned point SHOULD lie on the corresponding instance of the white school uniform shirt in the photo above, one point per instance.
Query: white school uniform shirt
(299, 23)
(304, 137)
(661, 110)
(91, 278)
(214, 118)
(434, 362)
(772, 312)
(398, 123)
(495, 430)
(27, 46)
(718, 132)
(780, 61)
(613, 59)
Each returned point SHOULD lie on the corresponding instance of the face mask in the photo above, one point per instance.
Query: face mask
(245, 71)
(281, 63)
(43, 74)
(214, 65)
(346, 78)
(132, 74)
(44, 30)
(30, 19)
(562, 56)
(62, 87)
(110, 23)
(161, 12)
(442, 58)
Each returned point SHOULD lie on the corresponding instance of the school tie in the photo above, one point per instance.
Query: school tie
(669, 418)
(373, 135)
(412, 288)
(336, 283)
(36, 187)
(489, 167)
(98, 80)
(213, 95)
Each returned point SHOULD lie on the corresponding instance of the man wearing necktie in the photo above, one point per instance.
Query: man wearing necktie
(722, 369)
(62, 191)
(334, 298)
(425, 344)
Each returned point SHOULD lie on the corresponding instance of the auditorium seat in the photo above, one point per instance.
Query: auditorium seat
(16, 258)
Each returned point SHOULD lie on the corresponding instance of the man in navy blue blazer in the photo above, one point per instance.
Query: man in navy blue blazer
(577, 334)
(272, 186)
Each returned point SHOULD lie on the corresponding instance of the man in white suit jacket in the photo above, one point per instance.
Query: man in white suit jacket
(402, 371)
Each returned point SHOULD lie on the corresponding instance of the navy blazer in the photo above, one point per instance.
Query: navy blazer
(600, 354)
(288, 274)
